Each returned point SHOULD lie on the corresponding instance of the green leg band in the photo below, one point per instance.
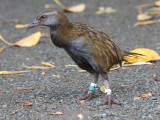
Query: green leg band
(91, 88)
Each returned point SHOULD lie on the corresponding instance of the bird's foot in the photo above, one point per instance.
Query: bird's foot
(89, 96)
(109, 100)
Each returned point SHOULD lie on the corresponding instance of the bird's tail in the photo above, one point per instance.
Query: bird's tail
(130, 57)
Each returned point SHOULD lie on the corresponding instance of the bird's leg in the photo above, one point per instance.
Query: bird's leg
(91, 90)
(109, 98)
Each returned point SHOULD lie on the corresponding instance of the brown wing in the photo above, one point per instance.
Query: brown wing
(105, 51)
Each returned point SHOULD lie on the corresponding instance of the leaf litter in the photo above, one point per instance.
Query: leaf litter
(28, 41)
(76, 8)
(106, 10)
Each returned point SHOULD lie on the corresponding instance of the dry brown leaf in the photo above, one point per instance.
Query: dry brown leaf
(153, 11)
(102, 88)
(45, 36)
(147, 22)
(56, 113)
(76, 8)
(81, 70)
(12, 21)
(29, 41)
(11, 72)
(146, 95)
(82, 101)
(1, 49)
(137, 98)
(48, 64)
(157, 3)
(37, 67)
(106, 10)
(21, 25)
(143, 16)
(71, 66)
(80, 116)
(29, 103)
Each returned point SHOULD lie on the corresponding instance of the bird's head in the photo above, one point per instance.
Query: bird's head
(49, 18)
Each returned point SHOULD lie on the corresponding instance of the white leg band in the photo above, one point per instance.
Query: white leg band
(108, 91)
(93, 84)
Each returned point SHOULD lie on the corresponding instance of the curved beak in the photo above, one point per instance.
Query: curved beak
(33, 24)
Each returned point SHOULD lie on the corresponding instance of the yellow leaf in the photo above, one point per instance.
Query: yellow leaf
(37, 67)
(102, 88)
(82, 70)
(143, 16)
(80, 116)
(157, 3)
(48, 64)
(21, 25)
(45, 36)
(146, 95)
(76, 8)
(106, 10)
(71, 66)
(1, 49)
(153, 11)
(147, 22)
(146, 55)
(57, 113)
(29, 41)
(136, 98)
(11, 72)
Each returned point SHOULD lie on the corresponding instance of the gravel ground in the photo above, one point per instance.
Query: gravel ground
(49, 94)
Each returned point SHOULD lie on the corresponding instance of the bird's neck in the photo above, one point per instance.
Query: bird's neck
(59, 34)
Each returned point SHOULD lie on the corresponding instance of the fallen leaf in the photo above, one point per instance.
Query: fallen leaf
(106, 10)
(76, 8)
(147, 22)
(146, 55)
(45, 36)
(157, 3)
(102, 88)
(57, 76)
(43, 73)
(37, 67)
(143, 16)
(82, 70)
(153, 11)
(57, 113)
(146, 95)
(15, 111)
(12, 21)
(80, 116)
(29, 103)
(136, 98)
(154, 75)
(71, 66)
(48, 64)
(1, 49)
(82, 101)
(11, 72)
(21, 25)
(28, 41)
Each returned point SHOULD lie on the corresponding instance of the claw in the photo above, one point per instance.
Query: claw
(110, 100)
(87, 97)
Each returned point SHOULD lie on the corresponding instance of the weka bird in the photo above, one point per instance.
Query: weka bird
(90, 49)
